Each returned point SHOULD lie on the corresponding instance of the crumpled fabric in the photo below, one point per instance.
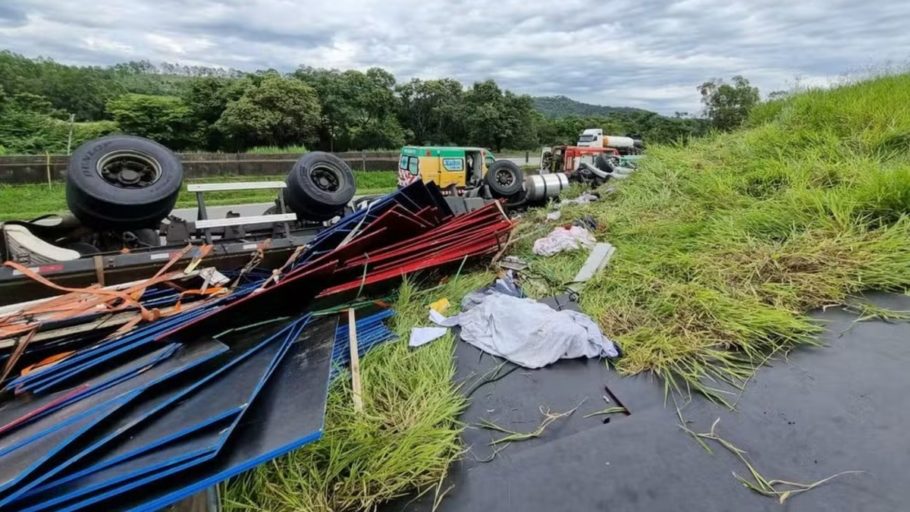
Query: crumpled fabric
(526, 332)
(584, 198)
(564, 239)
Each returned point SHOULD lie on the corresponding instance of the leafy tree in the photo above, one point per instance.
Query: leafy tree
(25, 129)
(499, 120)
(207, 98)
(164, 119)
(197, 107)
(353, 104)
(277, 111)
(82, 91)
(432, 110)
(378, 134)
(726, 105)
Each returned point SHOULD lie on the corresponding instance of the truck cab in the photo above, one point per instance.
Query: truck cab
(591, 138)
(449, 167)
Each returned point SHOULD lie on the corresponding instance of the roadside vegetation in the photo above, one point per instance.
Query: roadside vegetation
(723, 247)
(25, 202)
(193, 108)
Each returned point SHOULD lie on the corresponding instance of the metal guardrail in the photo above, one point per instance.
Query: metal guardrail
(50, 168)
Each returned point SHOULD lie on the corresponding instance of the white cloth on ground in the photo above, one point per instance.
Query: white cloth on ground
(423, 335)
(527, 332)
(562, 239)
(584, 198)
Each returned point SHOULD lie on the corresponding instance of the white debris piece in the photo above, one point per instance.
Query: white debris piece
(423, 335)
(584, 198)
(564, 239)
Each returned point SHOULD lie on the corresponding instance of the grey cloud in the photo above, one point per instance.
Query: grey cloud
(645, 53)
(12, 15)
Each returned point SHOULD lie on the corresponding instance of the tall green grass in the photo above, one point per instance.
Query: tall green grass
(725, 244)
(402, 443)
(271, 150)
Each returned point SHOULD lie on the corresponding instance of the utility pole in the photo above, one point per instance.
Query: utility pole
(69, 140)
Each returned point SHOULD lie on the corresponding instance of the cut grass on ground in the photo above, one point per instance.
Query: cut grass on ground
(25, 202)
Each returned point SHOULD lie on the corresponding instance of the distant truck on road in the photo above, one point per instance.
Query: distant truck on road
(595, 138)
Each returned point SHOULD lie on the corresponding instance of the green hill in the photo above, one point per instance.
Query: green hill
(560, 106)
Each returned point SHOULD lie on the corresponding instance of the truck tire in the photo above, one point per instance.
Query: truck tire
(603, 163)
(122, 183)
(319, 186)
(504, 178)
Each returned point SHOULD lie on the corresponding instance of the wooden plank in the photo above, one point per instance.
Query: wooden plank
(355, 363)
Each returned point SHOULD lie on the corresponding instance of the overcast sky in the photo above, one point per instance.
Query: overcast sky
(644, 53)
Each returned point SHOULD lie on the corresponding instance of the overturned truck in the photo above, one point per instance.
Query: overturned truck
(121, 192)
(475, 173)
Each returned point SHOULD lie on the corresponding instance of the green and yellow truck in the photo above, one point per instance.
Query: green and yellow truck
(455, 169)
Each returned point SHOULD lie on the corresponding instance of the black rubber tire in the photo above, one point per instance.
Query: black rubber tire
(504, 178)
(603, 163)
(319, 186)
(100, 204)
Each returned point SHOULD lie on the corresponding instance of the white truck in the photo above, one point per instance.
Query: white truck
(595, 138)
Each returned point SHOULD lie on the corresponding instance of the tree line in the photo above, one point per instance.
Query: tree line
(48, 106)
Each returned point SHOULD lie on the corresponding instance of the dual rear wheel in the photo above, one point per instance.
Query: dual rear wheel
(126, 183)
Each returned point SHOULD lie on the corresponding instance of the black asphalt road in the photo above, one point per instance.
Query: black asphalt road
(819, 411)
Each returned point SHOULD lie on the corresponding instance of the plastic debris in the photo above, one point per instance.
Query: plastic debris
(423, 335)
(596, 262)
(513, 263)
(440, 305)
(564, 239)
(584, 198)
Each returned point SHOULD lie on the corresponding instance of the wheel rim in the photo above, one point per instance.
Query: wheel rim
(325, 179)
(128, 169)
(504, 177)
